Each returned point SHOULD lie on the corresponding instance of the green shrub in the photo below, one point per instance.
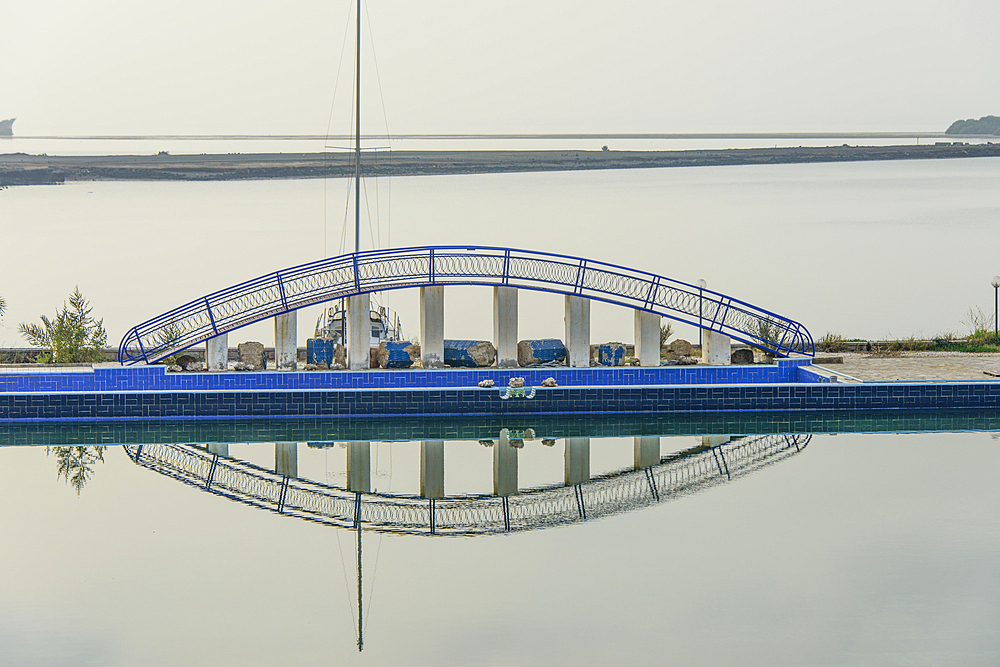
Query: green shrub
(72, 336)
(831, 342)
(666, 331)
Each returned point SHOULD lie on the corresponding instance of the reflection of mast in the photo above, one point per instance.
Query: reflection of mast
(357, 523)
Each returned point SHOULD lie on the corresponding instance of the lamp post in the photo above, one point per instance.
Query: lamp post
(996, 284)
(701, 286)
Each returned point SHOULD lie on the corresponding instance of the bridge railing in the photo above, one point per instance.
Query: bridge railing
(398, 268)
(686, 473)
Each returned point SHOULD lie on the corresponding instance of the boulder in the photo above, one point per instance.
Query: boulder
(486, 384)
(611, 354)
(339, 356)
(196, 367)
(373, 357)
(174, 368)
(186, 360)
(679, 348)
(742, 356)
(549, 382)
(469, 353)
(541, 351)
(516, 382)
(397, 354)
(252, 355)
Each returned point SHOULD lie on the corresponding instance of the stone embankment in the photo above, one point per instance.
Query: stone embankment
(23, 169)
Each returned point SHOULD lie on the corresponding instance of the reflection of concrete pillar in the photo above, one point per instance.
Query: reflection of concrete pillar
(577, 463)
(359, 471)
(219, 450)
(577, 321)
(217, 353)
(286, 458)
(716, 348)
(432, 469)
(647, 338)
(504, 466)
(505, 326)
(359, 332)
(714, 440)
(432, 326)
(647, 451)
(285, 342)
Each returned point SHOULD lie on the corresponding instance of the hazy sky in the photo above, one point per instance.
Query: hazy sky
(207, 66)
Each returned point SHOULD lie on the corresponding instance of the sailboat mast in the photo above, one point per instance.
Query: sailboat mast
(357, 143)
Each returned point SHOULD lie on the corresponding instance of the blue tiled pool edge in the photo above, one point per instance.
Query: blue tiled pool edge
(150, 393)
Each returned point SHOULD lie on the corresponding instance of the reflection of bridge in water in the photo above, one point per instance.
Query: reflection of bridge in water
(654, 480)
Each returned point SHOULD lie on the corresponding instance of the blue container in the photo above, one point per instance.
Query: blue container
(399, 354)
(461, 353)
(320, 351)
(611, 354)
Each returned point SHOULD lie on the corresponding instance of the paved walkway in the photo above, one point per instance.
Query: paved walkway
(916, 366)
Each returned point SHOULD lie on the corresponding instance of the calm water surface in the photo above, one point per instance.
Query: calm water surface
(867, 250)
(850, 549)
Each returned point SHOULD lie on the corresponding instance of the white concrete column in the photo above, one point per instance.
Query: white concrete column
(432, 469)
(286, 342)
(359, 469)
(504, 466)
(220, 450)
(577, 461)
(647, 338)
(577, 320)
(432, 326)
(359, 332)
(217, 353)
(505, 326)
(286, 458)
(716, 348)
(647, 451)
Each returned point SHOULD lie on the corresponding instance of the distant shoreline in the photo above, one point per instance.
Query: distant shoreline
(24, 169)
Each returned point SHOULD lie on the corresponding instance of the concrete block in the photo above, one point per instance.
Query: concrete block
(251, 354)
(217, 353)
(647, 338)
(286, 347)
(716, 348)
(397, 354)
(611, 354)
(540, 351)
(469, 353)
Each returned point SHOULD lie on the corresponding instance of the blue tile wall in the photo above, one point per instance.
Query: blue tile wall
(475, 401)
(155, 378)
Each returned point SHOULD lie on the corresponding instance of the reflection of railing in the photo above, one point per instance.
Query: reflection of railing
(467, 515)
(396, 268)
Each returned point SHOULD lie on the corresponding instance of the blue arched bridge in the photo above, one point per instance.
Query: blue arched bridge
(397, 268)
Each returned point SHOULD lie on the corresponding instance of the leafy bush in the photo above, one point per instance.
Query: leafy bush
(3, 306)
(666, 331)
(76, 464)
(72, 336)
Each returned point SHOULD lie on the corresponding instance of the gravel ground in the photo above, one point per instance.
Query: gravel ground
(917, 366)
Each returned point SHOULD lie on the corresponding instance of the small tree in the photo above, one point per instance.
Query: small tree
(76, 464)
(3, 306)
(666, 331)
(71, 336)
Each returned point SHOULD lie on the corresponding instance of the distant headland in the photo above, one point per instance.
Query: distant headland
(985, 125)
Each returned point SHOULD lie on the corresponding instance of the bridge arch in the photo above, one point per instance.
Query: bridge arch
(396, 268)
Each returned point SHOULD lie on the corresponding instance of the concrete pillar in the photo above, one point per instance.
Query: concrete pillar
(577, 320)
(716, 348)
(359, 332)
(432, 326)
(432, 469)
(577, 461)
(359, 467)
(647, 338)
(217, 353)
(504, 466)
(286, 458)
(647, 451)
(286, 342)
(505, 326)
(219, 450)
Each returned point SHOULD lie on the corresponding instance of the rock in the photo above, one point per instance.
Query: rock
(196, 367)
(397, 354)
(516, 382)
(486, 443)
(687, 361)
(186, 360)
(469, 353)
(549, 382)
(611, 354)
(544, 350)
(310, 367)
(373, 357)
(339, 356)
(679, 348)
(548, 442)
(517, 443)
(337, 367)
(322, 367)
(486, 384)
(174, 368)
(240, 366)
(252, 354)
(742, 356)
